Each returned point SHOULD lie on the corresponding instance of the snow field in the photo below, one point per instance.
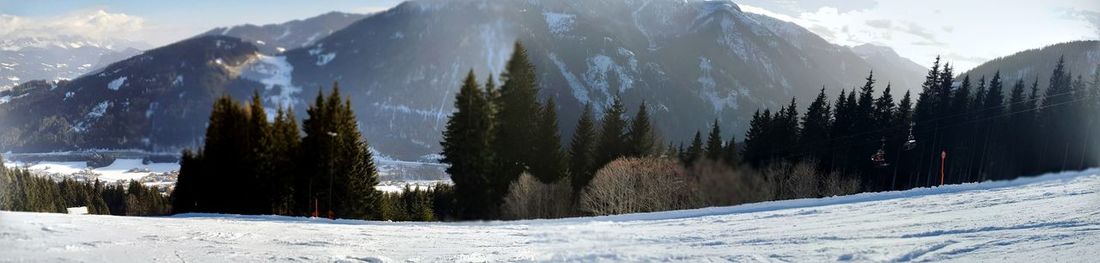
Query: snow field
(1043, 219)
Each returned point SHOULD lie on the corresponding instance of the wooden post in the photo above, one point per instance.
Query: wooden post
(943, 159)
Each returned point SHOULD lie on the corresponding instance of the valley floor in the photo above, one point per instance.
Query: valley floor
(1051, 218)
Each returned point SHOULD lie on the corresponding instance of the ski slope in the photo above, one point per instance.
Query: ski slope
(1051, 218)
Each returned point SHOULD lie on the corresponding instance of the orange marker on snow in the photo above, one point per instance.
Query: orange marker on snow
(943, 158)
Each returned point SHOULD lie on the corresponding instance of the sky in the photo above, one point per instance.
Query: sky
(160, 22)
(966, 32)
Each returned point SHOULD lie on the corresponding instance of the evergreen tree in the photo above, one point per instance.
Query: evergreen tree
(466, 147)
(839, 133)
(1054, 122)
(185, 195)
(924, 118)
(257, 193)
(884, 114)
(285, 147)
(641, 139)
(815, 128)
(784, 131)
(549, 165)
(756, 139)
(514, 129)
(340, 165)
(695, 151)
(581, 165)
(225, 173)
(612, 142)
(729, 153)
(902, 119)
(714, 148)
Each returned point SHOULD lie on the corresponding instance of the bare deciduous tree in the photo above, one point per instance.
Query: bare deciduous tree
(633, 185)
(528, 198)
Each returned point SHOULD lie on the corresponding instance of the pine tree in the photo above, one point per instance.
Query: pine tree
(785, 130)
(991, 117)
(695, 151)
(714, 142)
(466, 147)
(285, 152)
(883, 114)
(1054, 121)
(756, 139)
(1018, 117)
(839, 133)
(815, 127)
(549, 166)
(924, 118)
(612, 142)
(641, 139)
(341, 166)
(257, 193)
(225, 171)
(903, 118)
(729, 153)
(961, 136)
(515, 130)
(864, 122)
(581, 165)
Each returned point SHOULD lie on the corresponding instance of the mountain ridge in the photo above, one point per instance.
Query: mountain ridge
(692, 61)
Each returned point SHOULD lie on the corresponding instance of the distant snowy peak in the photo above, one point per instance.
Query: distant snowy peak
(277, 38)
(68, 42)
(59, 57)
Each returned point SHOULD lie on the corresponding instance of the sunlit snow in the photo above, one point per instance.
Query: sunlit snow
(1042, 219)
(116, 84)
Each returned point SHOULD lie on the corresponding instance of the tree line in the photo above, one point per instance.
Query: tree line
(863, 140)
(993, 129)
(20, 190)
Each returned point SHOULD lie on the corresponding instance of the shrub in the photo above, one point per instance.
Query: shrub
(834, 185)
(633, 185)
(718, 184)
(530, 198)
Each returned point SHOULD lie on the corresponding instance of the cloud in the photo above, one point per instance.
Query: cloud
(1093, 18)
(95, 24)
(880, 23)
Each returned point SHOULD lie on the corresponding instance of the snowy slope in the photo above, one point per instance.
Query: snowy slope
(1043, 219)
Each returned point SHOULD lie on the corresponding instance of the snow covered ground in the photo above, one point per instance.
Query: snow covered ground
(1052, 218)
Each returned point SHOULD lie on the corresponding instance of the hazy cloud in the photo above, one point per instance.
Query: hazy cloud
(880, 23)
(968, 30)
(89, 23)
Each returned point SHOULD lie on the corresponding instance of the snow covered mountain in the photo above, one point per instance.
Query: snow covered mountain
(61, 57)
(276, 38)
(157, 100)
(1039, 219)
(693, 61)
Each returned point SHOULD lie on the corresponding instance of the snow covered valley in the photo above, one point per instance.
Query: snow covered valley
(1051, 218)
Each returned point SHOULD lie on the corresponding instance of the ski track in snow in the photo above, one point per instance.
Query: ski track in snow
(1038, 219)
